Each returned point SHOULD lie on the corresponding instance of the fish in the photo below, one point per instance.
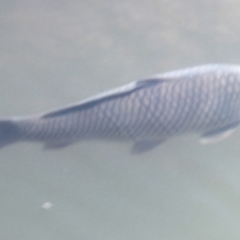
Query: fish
(202, 100)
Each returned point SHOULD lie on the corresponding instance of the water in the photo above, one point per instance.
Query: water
(55, 53)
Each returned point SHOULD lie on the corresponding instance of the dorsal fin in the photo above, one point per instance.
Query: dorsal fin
(115, 93)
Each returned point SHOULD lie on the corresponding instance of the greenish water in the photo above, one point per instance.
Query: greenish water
(55, 53)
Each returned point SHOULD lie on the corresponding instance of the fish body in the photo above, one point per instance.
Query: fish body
(204, 100)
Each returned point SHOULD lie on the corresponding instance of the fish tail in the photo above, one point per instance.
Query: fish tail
(9, 132)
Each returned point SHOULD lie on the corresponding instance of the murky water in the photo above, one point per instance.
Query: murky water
(54, 53)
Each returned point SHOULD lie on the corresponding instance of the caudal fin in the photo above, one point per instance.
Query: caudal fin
(9, 132)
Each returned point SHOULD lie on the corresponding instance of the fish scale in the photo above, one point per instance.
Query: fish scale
(204, 100)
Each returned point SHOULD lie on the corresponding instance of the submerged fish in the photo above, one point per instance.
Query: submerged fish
(204, 100)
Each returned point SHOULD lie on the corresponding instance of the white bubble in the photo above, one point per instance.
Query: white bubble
(47, 205)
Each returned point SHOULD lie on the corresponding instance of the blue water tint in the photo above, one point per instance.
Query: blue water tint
(55, 53)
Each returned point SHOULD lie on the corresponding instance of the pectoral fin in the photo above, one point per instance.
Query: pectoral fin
(144, 146)
(218, 135)
(55, 145)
